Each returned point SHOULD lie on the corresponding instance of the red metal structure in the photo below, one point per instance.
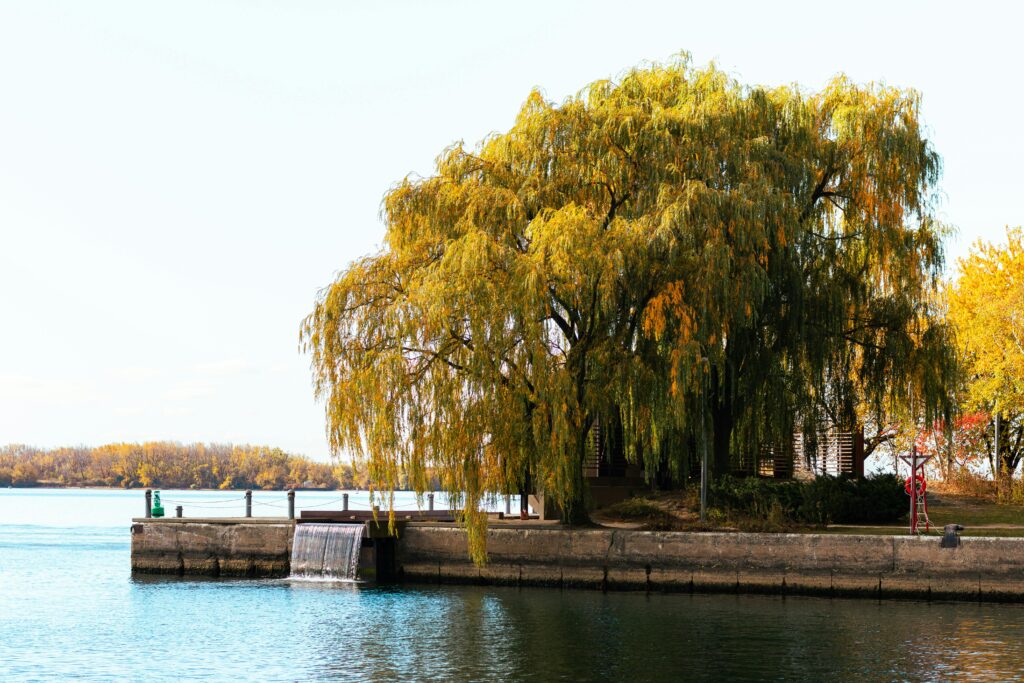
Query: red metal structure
(917, 488)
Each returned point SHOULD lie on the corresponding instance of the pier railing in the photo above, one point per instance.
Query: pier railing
(334, 509)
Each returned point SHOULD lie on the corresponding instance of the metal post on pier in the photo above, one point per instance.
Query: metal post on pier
(248, 503)
(177, 512)
(344, 502)
(430, 502)
(149, 503)
(291, 504)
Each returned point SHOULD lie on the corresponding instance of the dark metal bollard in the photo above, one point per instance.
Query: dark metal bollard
(430, 502)
(248, 503)
(291, 505)
(149, 503)
(177, 512)
(344, 502)
(951, 536)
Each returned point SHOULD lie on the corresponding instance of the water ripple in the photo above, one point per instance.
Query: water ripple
(69, 609)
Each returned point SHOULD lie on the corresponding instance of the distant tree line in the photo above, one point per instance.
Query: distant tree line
(166, 464)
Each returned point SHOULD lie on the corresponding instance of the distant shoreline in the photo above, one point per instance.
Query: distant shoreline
(194, 466)
(87, 487)
(51, 485)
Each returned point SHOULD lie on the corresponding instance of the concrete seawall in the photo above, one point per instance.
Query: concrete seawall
(989, 569)
(212, 547)
(819, 564)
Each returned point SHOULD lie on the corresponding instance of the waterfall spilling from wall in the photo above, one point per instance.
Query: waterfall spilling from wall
(329, 551)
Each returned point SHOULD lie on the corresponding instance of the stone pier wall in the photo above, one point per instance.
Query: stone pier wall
(212, 547)
(819, 564)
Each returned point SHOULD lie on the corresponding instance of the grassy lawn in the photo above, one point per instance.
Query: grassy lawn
(946, 509)
(978, 516)
(903, 531)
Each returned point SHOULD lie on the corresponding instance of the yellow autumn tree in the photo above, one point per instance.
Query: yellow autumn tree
(986, 304)
(674, 256)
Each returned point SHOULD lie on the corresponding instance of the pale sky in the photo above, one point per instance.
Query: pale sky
(178, 179)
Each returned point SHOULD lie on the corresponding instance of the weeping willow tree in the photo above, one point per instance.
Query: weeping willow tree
(673, 253)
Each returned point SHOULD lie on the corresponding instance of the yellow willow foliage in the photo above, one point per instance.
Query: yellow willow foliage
(667, 241)
(986, 304)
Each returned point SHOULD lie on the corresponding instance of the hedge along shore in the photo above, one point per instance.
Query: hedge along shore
(985, 569)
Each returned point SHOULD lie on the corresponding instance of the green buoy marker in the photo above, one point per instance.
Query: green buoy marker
(158, 509)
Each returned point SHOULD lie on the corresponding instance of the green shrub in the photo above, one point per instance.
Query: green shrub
(635, 509)
(824, 500)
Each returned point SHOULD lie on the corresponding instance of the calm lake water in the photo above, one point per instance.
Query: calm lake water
(69, 609)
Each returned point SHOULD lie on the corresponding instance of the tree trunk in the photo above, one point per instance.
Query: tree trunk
(1014, 439)
(574, 510)
(576, 514)
(721, 409)
(720, 429)
(574, 507)
(615, 451)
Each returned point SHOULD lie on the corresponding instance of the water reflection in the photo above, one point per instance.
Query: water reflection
(70, 609)
(466, 633)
